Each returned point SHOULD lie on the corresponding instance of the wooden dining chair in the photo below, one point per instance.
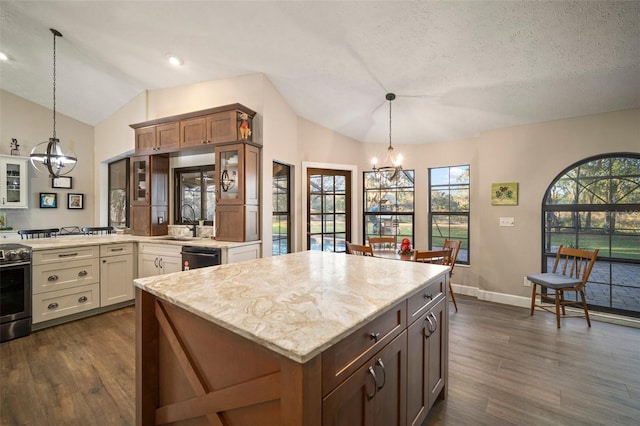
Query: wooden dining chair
(454, 246)
(359, 250)
(571, 270)
(26, 234)
(97, 230)
(438, 257)
(382, 243)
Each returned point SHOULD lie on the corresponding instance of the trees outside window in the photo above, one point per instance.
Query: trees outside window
(596, 204)
(195, 195)
(449, 208)
(281, 219)
(328, 209)
(389, 204)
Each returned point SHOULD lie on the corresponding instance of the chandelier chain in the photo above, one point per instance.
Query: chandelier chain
(54, 85)
(390, 123)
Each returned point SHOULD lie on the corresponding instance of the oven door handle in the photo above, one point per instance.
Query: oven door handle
(7, 265)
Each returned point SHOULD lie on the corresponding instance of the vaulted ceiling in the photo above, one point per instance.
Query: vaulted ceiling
(457, 68)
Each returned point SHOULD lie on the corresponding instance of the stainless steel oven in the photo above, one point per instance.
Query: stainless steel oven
(15, 291)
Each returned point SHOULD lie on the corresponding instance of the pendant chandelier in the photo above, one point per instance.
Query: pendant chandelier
(392, 162)
(48, 156)
(227, 182)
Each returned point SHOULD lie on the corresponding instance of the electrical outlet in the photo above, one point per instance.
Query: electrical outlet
(507, 221)
(526, 282)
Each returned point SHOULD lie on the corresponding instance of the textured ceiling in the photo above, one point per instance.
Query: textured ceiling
(458, 68)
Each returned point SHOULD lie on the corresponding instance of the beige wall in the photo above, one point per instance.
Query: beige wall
(31, 124)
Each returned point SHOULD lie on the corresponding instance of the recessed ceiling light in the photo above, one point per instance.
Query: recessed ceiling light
(175, 60)
(3, 57)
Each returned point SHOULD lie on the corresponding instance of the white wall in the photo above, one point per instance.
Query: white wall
(31, 124)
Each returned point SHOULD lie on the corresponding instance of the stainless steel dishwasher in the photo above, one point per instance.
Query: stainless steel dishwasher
(194, 257)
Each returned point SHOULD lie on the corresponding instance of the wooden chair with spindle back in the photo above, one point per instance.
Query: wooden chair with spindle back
(382, 243)
(571, 270)
(97, 230)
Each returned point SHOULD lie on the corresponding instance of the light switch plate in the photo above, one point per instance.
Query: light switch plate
(507, 221)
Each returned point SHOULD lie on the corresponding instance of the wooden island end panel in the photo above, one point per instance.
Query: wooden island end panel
(190, 371)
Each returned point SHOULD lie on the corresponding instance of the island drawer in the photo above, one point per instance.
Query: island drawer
(65, 254)
(65, 275)
(422, 301)
(345, 357)
(56, 304)
(116, 249)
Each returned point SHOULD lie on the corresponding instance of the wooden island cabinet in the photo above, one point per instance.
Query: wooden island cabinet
(337, 340)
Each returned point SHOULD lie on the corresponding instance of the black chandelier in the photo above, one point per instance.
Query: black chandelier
(394, 160)
(48, 156)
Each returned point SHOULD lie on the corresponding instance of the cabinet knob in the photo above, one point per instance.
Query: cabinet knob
(52, 278)
(82, 273)
(428, 296)
(375, 336)
(53, 305)
(83, 299)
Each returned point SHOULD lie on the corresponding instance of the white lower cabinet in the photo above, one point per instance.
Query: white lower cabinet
(116, 273)
(158, 259)
(65, 281)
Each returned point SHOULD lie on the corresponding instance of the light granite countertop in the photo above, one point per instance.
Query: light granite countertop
(297, 304)
(87, 240)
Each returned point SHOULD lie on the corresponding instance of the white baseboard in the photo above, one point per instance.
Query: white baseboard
(525, 302)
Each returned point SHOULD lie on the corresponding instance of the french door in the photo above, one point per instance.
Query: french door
(328, 209)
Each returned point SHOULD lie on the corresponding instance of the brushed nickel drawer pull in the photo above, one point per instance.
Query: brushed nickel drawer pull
(52, 278)
(117, 249)
(53, 305)
(429, 328)
(384, 373)
(83, 273)
(375, 384)
(83, 299)
(375, 336)
(68, 255)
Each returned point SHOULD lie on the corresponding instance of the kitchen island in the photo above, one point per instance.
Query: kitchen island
(308, 338)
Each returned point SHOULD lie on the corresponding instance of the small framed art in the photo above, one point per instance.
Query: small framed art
(64, 182)
(504, 194)
(48, 200)
(75, 201)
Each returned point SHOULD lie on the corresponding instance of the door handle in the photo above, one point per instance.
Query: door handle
(375, 384)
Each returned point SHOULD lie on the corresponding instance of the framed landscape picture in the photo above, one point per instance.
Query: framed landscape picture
(75, 201)
(48, 200)
(504, 194)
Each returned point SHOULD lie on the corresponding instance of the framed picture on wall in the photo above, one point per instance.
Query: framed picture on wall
(75, 201)
(48, 200)
(504, 194)
(61, 182)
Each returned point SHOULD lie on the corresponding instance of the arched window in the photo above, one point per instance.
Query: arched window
(595, 203)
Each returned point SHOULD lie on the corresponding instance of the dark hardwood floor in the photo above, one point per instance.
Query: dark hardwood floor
(505, 368)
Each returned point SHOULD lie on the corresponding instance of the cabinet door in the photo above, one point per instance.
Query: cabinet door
(425, 377)
(139, 181)
(222, 127)
(148, 265)
(170, 264)
(13, 187)
(140, 220)
(167, 137)
(116, 279)
(230, 174)
(193, 132)
(374, 394)
(145, 140)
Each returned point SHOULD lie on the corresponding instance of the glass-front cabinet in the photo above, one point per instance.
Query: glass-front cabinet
(13, 187)
(140, 181)
(230, 180)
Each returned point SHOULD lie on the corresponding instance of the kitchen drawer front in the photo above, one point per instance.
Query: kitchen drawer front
(160, 249)
(423, 300)
(116, 249)
(41, 257)
(56, 304)
(342, 359)
(65, 275)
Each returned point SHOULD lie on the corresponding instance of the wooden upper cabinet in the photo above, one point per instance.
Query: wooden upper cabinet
(230, 123)
(157, 139)
(193, 132)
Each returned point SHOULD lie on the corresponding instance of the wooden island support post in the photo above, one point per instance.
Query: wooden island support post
(337, 340)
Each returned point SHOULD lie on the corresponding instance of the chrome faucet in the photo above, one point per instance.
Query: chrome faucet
(193, 221)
